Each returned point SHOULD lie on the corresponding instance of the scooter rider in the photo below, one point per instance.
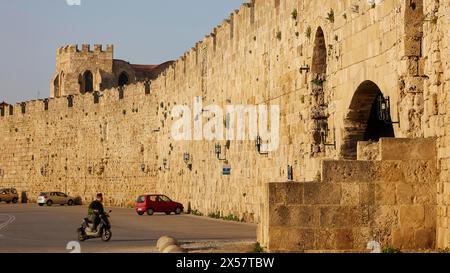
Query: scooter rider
(95, 210)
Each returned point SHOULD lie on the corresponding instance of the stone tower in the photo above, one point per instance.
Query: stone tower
(85, 70)
(80, 71)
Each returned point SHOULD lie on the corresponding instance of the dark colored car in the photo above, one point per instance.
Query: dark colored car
(157, 203)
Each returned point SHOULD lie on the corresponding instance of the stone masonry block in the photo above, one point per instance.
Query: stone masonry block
(425, 238)
(286, 193)
(279, 215)
(385, 194)
(347, 171)
(350, 194)
(344, 217)
(322, 193)
(304, 216)
(408, 149)
(403, 238)
(412, 216)
(404, 193)
(291, 239)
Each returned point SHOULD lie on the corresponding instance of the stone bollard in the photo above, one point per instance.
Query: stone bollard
(166, 241)
(174, 249)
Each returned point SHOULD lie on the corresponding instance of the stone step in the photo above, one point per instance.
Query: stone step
(397, 149)
(408, 149)
(414, 171)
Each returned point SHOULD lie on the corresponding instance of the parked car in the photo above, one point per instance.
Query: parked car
(9, 195)
(50, 198)
(157, 203)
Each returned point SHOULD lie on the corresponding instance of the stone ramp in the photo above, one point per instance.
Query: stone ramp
(391, 200)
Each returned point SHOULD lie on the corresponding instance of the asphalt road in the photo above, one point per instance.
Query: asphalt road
(28, 228)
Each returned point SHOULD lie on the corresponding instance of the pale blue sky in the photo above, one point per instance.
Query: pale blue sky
(142, 31)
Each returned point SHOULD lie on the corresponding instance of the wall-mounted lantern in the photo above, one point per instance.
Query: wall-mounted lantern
(324, 137)
(290, 173)
(187, 158)
(226, 170)
(304, 68)
(258, 144)
(166, 164)
(384, 110)
(218, 152)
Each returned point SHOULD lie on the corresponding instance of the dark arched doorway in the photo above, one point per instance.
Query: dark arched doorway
(87, 82)
(362, 122)
(56, 87)
(319, 107)
(123, 79)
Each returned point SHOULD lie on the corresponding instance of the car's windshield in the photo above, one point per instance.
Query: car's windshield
(43, 194)
(140, 199)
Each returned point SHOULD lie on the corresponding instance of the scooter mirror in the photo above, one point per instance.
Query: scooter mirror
(110, 211)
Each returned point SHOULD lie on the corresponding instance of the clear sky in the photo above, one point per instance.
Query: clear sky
(142, 31)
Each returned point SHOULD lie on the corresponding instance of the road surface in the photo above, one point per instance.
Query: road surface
(28, 228)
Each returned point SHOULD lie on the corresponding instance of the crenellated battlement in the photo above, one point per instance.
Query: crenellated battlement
(85, 48)
(327, 64)
(76, 102)
(221, 37)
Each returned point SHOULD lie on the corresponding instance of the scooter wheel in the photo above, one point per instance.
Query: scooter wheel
(106, 236)
(81, 236)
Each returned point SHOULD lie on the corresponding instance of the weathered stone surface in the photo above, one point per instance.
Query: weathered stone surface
(412, 216)
(394, 209)
(291, 240)
(408, 149)
(350, 194)
(368, 150)
(123, 145)
(343, 217)
(322, 193)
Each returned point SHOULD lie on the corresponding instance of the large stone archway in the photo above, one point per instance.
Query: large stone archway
(362, 122)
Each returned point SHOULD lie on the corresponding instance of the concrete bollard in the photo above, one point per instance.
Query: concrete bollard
(174, 249)
(166, 241)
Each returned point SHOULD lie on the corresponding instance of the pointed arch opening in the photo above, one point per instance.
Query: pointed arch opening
(56, 87)
(123, 79)
(319, 108)
(362, 122)
(87, 82)
(319, 61)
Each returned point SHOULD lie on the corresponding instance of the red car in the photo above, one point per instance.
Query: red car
(157, 203)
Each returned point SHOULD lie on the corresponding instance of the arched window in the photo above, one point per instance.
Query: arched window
(319, 113)
(123, 79)
(319, 64)
(87, 82)
(61, 84)
(56, 87)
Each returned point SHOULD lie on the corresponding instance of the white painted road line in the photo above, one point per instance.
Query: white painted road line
(11, 219)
